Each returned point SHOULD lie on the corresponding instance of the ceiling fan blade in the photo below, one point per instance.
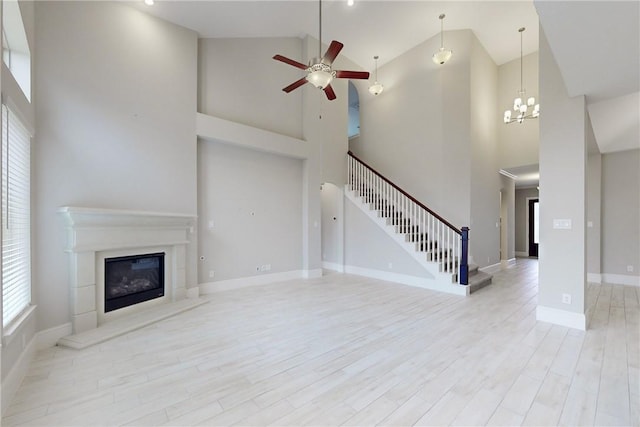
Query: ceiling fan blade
(295, 85)
(334, 49)
(290, 62)
(331, 95)
(341, 74)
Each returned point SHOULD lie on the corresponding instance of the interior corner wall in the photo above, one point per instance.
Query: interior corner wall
(116, 108)
(519, 142)
(249, 212)
(594, 204)
(238, 80)
(485, 182)
(562, 252)
(621, 213)
(508, 218)
(417, 132)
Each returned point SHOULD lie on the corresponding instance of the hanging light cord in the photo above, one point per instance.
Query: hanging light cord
(521, 30)
(442, 31)
(376, 58)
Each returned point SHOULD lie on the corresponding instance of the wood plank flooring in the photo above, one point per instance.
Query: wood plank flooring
(348, 350)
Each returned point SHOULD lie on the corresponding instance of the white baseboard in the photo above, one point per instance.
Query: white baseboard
(561, 317)
(405, 279)
(594, 277)
(193, 292)
(620, 279)
(14, 378)
(333, 266)
(506, 263)
(522, 254)
(263, 279)
(312, 274)
(49, 337)
(491, 269)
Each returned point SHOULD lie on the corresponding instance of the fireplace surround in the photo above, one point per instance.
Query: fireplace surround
(95, 235)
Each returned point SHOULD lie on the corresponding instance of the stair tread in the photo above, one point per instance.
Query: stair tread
(479, 280)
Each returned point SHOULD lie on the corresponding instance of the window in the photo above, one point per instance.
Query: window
(16, 223)
(15, 46)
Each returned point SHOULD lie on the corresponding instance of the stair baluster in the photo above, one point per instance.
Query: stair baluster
(441, 242)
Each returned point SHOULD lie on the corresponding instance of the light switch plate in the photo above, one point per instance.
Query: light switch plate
(562, 224)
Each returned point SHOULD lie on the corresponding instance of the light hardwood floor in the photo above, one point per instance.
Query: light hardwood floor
(347, 350)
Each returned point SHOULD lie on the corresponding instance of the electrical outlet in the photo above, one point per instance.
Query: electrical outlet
(630, 268)
(267, 267)
(210, 225)
(212, 273)
(566, 298)
(390, 265)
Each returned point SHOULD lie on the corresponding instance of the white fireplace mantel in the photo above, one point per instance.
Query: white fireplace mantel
(93, 232)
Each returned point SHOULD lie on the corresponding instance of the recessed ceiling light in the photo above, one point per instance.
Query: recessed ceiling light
(149, 2)
(350, 2)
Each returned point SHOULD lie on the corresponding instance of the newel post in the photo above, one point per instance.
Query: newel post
(464, 265)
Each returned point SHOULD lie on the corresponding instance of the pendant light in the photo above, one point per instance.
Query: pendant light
(376, 88)
(520, 106)
(442, 55)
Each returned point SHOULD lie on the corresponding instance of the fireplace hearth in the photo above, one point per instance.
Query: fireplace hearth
(133, 279)
(96, 234)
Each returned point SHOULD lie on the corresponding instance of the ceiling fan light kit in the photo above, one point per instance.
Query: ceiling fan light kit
(442, 55)
(521, 107)
(319, 71)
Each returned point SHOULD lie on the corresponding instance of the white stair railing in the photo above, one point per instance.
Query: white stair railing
(442, 243)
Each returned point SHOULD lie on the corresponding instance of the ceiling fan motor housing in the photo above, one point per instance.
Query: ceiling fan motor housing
(320, 74)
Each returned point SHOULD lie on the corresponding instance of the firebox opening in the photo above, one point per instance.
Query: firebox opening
(133, 279)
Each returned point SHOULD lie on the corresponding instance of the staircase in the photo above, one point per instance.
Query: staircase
(439, 247)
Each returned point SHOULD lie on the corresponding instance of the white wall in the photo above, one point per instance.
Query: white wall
(254, 200)
(594, 203)
(368, 246)
(239, 81)
(621, 213)
(332, 224)
(507, 217)
(116, 104)
(485, 182)
(519, 142)
(562, 252)
(417, 132)
(433, 132)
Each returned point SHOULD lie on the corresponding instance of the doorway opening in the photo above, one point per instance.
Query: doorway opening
(534, 228)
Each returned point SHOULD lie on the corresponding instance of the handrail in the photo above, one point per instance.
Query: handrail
(410, 197)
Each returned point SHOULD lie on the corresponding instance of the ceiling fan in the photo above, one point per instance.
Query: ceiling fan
(319, 71)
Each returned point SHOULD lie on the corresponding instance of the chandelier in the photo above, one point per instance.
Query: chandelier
(522, 104)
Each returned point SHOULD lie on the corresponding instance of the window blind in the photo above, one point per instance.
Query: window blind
(16, 222)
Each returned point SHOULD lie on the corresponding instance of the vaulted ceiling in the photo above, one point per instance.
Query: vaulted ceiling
(596, 43)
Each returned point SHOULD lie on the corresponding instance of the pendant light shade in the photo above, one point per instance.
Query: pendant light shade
(376, 88)
(442, 55)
